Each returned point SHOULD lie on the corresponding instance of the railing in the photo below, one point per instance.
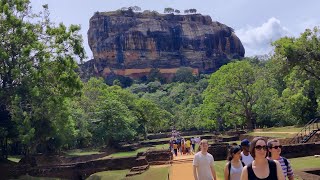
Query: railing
(310, 129)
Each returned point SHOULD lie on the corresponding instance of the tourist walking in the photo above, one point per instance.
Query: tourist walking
(245, 154)
(183, 146)
(188, 146)
(203, 168)
(179, 143)
(233, 169)
(261, 167)
(274, 154)
(193, 144)
(175, 148)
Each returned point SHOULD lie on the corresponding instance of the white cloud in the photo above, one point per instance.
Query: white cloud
(307, 24)
(257, 40)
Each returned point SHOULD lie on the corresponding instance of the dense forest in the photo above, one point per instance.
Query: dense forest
(45, 107)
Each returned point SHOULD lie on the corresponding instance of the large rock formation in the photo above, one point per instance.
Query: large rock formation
(132, 44)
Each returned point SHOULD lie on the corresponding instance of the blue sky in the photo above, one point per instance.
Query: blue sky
(256, 22)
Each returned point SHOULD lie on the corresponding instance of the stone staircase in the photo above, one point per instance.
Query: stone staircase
(307, 132)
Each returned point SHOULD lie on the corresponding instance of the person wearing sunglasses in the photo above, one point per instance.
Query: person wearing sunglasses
(274, 154)
(261, 167)
(233, 169)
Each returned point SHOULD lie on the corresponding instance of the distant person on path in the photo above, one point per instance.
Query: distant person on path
(197, 140)
(193, 144)
(274, 154)
(171, 144)
(175, 148)
(261, 167)
(188, 146)
(179, 143)
(183, 147)
(233, 169)
(203, 167)
(245, 154)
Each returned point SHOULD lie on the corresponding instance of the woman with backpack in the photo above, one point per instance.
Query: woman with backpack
(261, 167)
(233, 169)
(274, 154)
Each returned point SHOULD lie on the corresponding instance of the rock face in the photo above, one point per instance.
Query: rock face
(132, 44)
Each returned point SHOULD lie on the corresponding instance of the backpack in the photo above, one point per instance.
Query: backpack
(286, 162)
(229, 167)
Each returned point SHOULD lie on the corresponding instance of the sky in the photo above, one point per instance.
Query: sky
(256, 22)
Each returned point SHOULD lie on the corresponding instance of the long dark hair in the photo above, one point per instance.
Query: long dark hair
(233, 150)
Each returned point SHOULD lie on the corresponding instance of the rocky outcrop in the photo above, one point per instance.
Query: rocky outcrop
(132, 44)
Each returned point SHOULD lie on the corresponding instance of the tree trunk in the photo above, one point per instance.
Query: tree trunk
(250, 120)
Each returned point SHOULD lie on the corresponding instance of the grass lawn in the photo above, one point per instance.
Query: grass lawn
(275, 135)
(82, 152)
(281, 129)
(305, 162)
(153, 173)
(219, 167)
(14, 158)
(134, 153)
(277, 132)
(106, 175)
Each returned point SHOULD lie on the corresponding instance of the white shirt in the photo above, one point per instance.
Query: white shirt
(246, 159)
(203, 164)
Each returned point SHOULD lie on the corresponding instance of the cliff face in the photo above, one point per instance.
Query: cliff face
(131, 44)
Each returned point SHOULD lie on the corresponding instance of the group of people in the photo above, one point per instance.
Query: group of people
(178, 144)
(258, 159)
(182, 145)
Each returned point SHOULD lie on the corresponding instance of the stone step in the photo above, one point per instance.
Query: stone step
(133, 173)
(160, 162)
(140, 168)
(141, 157)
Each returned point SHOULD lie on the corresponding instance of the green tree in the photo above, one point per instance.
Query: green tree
(168, 10)
(184, 74)
(38, 74)
(110, 113)
(233, 92)
(300, 58)
(154, 119)
(302, 51)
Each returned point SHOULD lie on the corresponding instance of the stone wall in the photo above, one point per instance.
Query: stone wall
(219, 151)
(235, 133)
(83, 170)
(283, 141)
(300, 150)
(158, 156)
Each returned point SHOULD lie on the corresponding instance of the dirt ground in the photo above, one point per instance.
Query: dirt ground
(182, 168)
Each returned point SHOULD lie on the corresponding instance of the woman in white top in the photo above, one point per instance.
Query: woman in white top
(233, 168)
